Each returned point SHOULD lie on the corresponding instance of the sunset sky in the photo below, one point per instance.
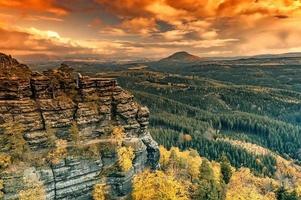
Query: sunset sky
(149, 28)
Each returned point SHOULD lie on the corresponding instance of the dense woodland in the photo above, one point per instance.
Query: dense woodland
(210, 115)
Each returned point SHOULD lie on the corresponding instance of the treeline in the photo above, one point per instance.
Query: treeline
(276, 135)
(214, 95)
(214, 149)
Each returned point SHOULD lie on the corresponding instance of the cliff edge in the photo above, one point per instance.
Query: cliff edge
(57, 101)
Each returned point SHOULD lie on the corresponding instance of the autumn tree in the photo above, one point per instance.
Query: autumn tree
(125, 154)
(184, 164)
(99, 192)
(158, 185)
(34, 189)
(125, 158)
(1, 188)
(16, 142)
(59, 152)
(5, 160)
(164, 157)
(118, 135)
(244, 185)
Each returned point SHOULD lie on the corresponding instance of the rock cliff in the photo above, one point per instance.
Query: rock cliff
(56, 100)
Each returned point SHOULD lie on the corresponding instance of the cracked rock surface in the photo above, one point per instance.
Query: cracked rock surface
(56, 100)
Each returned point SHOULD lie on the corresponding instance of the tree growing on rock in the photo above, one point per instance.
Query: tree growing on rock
(16, 142)
(59, 152)
(1, 188)
(125, 155)
(118, 135)
(99, 192)
(34, 188)
(50, 134)
(74, 133)
(125, 158)
(5, 160)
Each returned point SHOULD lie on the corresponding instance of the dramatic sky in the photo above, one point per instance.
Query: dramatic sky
(149, 28)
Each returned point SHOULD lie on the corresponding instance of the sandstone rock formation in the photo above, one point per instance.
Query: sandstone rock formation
(10, 67)
(55, 100)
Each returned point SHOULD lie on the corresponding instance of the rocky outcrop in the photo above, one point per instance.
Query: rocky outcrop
(55, 100)
(10, 67)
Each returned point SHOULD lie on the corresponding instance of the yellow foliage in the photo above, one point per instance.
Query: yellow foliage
(13, 128)
(59, 153)
(5, 160)
(1, 188)
(185, 164)
(217, 171)
(118, 135)
(298, 189)
(185, 137)
(164, 157)
(99, 192)
(17, 143)
(125, 158)
(284, 168)
(158, 186)
(35, 190)
(245, 186)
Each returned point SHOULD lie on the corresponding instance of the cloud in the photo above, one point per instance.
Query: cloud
(33, 41)
(196, 8)
(139, 25)
(150, 27)
(204, 24)
(50, 6)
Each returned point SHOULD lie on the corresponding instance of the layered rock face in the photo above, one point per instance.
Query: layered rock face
(55, 100)
(10, 67)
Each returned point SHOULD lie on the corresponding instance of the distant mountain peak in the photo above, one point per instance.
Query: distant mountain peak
(181, 56)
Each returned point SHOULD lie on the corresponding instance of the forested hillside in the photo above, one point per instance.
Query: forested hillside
(230, 118)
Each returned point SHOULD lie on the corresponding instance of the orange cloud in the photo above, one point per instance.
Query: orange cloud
(151, 27)
(49, 6)
(200, 8)
(20, 42)
(125, 8)
(139, 25)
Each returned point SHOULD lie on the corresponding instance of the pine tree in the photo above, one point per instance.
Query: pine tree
(208, 188)
(283, 194)
(226, 169)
